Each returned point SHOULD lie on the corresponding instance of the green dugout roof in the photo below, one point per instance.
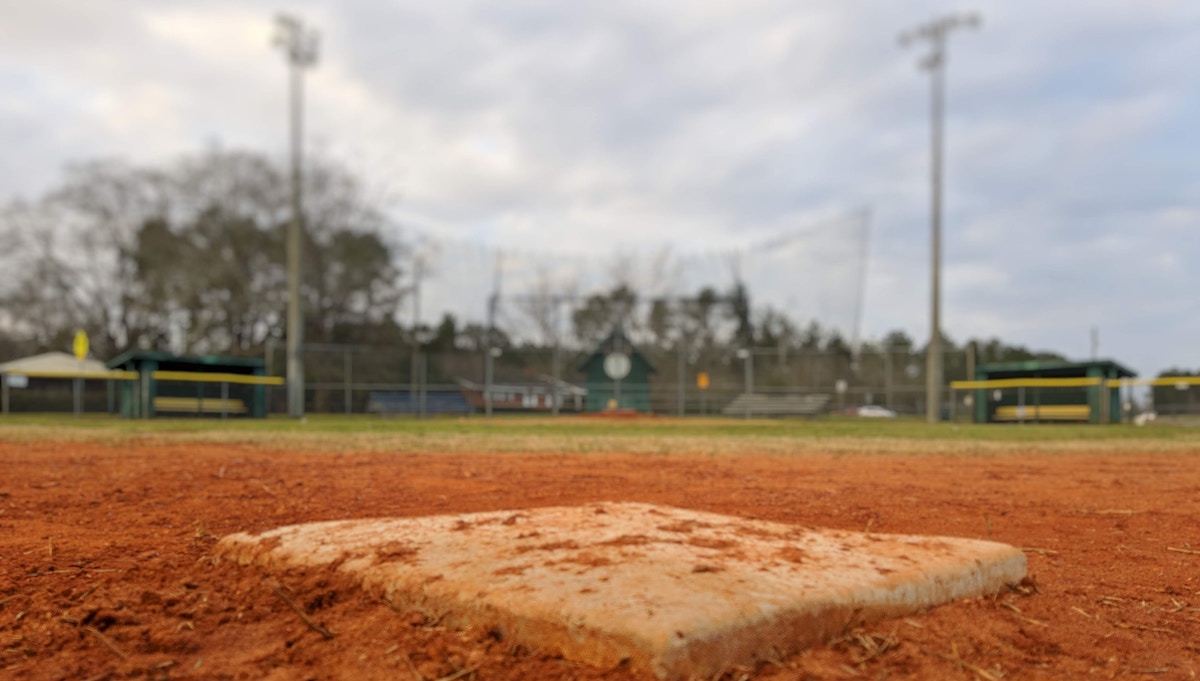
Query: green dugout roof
(1053, 369)
(200, 361)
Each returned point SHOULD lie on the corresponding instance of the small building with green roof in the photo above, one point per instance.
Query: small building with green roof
(629, 388)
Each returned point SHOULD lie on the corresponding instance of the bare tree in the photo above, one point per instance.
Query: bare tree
(542, 306)
(190, 257)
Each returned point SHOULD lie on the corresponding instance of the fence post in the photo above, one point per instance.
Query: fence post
(488, 362)
(145, 401)
(555, 359)
(224, 400)
(347, 375)
(682, 380)
(422, 364)
(555, 371)
(747, 357)
(413, 368)
(4, 394)
(887, 378)
(749, 377)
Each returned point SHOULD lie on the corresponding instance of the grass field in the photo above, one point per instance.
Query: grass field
(580, 434)
(821, 428)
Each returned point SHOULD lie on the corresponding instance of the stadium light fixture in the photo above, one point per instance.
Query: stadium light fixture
(936, 33)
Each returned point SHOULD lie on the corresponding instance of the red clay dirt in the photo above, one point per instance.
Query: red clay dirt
(106, 573)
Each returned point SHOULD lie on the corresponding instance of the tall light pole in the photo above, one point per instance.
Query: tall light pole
(935, 33)
(299, 45)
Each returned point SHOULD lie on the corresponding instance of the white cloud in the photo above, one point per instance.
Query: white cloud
(540, 124)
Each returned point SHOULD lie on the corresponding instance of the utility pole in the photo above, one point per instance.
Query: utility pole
(935, 33)
(299, 45)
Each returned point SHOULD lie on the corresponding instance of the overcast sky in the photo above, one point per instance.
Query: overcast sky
(1072, 189)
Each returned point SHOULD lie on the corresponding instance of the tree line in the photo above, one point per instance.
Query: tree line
(188, 257)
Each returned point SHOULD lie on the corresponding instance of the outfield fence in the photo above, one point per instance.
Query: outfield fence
(343, 378)
(398, 381)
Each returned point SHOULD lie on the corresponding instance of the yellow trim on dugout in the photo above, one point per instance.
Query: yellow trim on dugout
(1081, 382)
(1160, 381)
(90, 375)
(204, 377)
(1072, 382)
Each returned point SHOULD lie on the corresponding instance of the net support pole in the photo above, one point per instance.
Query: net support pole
(555, 370)
(4, 394)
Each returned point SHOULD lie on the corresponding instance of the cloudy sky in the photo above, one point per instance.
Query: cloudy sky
(1072, 194)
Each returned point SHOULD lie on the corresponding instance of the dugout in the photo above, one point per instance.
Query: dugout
(53, 380)
(617, 375)
(1047, 390)
(198, 386)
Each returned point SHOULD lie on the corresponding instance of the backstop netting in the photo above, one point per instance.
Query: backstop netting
(539, 314)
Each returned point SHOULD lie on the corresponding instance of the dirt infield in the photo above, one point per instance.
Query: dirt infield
(105, 570)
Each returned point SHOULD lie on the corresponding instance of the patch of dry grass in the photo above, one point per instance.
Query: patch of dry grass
(673, 442)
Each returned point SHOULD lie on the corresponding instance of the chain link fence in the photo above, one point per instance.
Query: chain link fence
(430, 381)
(356, 379)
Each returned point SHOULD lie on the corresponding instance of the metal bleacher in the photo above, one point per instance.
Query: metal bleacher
(760, 404)
(387, 403)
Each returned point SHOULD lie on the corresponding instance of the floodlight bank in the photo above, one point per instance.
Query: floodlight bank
(678, 593)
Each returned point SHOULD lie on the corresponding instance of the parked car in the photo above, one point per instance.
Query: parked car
(875, 411)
